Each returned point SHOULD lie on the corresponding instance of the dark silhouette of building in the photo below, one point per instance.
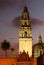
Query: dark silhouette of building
(40, 60)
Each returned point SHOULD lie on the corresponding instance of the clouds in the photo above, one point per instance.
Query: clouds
(11, 3)
(4, 4)
(36, 22)
(16, 21)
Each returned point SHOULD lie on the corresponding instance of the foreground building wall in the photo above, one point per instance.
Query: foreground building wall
(13, 61)
(7, 61)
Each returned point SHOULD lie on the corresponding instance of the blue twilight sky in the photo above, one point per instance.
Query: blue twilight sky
(11, 10)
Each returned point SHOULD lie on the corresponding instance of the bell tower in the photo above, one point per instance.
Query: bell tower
(25, 33)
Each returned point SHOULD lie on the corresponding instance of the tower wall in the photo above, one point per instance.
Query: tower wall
(25, 33)
(25, 44)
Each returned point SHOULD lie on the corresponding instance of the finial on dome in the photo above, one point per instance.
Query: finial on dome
(40, 39)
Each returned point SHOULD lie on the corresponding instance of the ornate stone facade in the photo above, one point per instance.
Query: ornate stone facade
(38, 49)
(24, 59)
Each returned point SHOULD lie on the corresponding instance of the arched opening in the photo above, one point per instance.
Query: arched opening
(25, 34)
(25, 23)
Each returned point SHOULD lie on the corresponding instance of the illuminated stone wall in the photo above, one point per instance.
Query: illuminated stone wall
(13, 61)
(7, 61)
(25, 44)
